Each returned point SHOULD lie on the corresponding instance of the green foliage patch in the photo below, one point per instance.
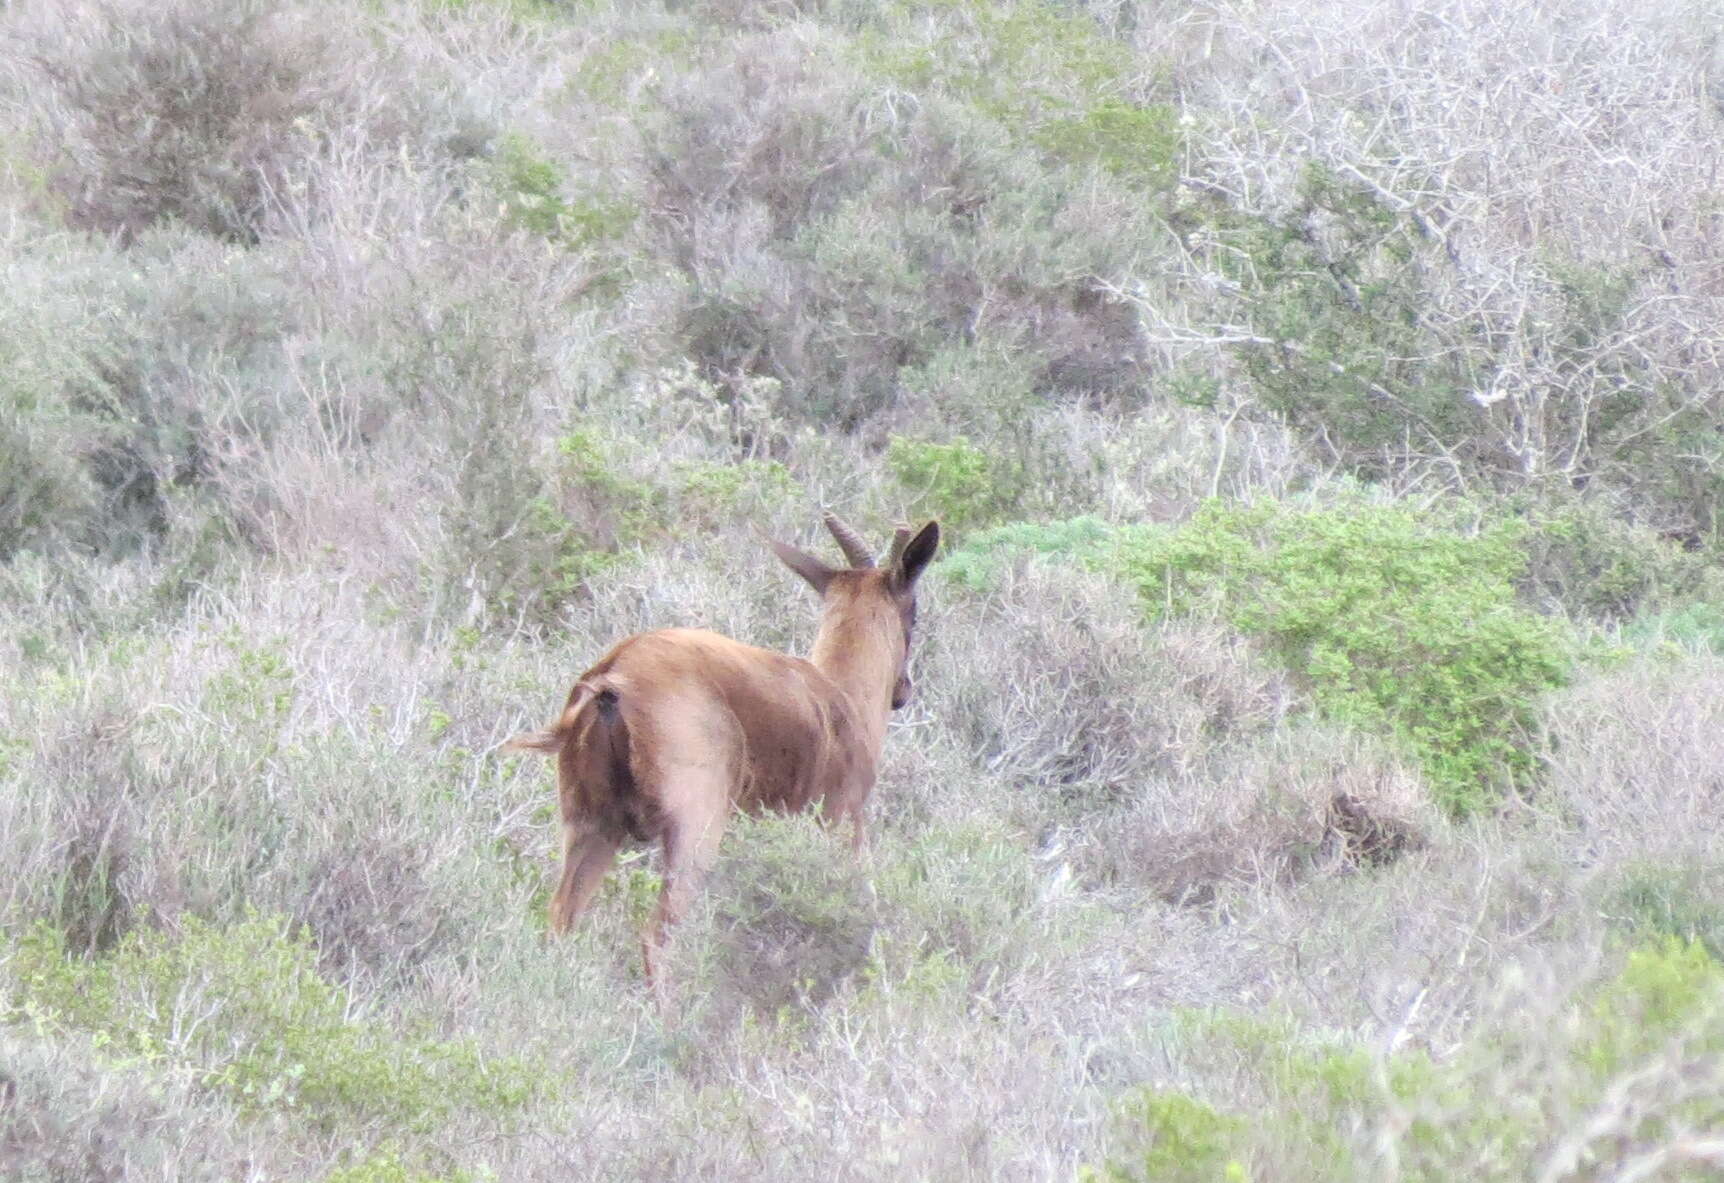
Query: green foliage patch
(244, 1009)
(979, 562)
(1185, 1141)
(533, 191)
(1397, 625)
(1496, 1105)
(957, 482)
(1138, 144)
(1336, 297)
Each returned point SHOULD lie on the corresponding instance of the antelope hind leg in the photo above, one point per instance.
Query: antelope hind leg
(586, 858)
(690, 849)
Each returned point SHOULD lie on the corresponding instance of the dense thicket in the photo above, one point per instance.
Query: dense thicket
(1325, 405)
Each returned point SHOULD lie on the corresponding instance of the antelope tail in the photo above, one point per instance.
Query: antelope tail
(552, 740)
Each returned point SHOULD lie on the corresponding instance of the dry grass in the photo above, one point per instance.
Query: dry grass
(339, 431)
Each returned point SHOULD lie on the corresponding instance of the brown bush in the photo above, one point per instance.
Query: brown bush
(1054, 684)
(1297, 804)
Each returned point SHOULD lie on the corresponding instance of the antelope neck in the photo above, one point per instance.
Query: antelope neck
(859, 647)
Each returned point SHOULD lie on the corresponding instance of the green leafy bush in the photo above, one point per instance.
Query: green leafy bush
(1397, 625)
(244, 1009)
(958, 482)
(1679, 899)
(711, 496)
(978, 562)
(389, 1166)
(1669, 990)
(1138, 144)
(45, 491)
(1186, 1142)
(1335, 298)
(1692, 628)
(1584, 559)
(1626, 1064)
(532, 190)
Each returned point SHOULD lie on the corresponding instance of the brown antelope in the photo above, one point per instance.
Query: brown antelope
(673, 729)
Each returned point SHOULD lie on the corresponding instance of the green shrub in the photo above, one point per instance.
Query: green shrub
(532, 190)
(244, 1010)
(1679, 900)
(1335, 299)
(46, 492)
(1138, 144)
(1186, 1142)
(1626, 1063)
(1583, 559)
(1022, 63)
(958, 483)
(1692, 628)
(523, 532)
(1671, 989)
(1397, 625)
(388, 1166)
(128, 382)
(978, 562)
(712, 496)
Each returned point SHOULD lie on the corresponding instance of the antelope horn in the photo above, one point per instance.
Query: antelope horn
(849, 542)
(900, 539)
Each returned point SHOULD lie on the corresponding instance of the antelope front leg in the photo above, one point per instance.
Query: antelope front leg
(587, 855)
(836, 811)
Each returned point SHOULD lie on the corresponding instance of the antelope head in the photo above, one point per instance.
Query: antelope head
(869, 610)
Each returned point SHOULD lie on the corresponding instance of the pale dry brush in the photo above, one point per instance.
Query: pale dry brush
(1521, 148)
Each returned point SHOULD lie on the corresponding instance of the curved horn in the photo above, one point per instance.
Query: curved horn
(849, 542)
(900, 539)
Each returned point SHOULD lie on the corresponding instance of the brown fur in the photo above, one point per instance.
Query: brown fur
(673, 729)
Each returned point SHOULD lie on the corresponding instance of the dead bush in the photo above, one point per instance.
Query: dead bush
(71, 1112)
(1054, 683)
(185, 112)
(207, 115)
(85, 880)
(830, 244)
(1633, 758)
(1306, 802)
(370, 908)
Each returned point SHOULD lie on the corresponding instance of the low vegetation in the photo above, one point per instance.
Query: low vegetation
(1313, 766)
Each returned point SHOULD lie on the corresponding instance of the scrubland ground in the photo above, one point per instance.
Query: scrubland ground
(1318, 747)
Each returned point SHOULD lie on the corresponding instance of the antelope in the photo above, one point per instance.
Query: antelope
(673, 729)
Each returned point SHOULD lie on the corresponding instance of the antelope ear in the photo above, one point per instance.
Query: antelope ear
(817, 574)
(918, 553)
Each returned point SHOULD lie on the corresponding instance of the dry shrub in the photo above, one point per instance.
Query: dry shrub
(85, 879)
(69, 1111)
(1516, 273)
(192, 113)
(204, 115)
(369, 907)
(839, 244)
(1054, 684)
(1301, 802)
(307, 503)
(1633, 761)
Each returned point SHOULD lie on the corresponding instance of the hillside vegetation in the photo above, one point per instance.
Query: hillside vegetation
(1318, 747)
